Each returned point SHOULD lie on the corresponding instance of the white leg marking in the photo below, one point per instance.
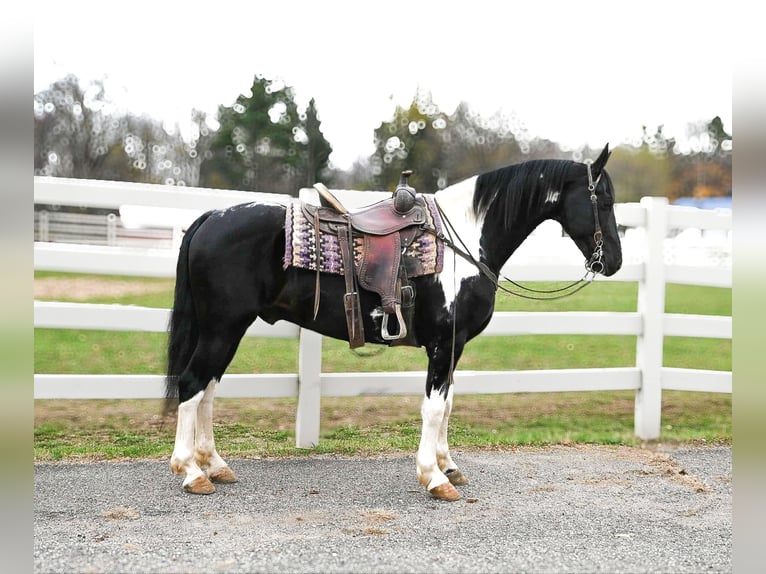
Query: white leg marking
(432, 411)
(442, 448)
(182, 460)
(205, 453)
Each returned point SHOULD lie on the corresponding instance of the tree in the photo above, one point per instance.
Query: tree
(317, 148)
(705, 170)
(720, 142)
(442, 149)
(660, 166)
(77, 134)
(185, 154)
(637, 173)
(412, 139)
(265, 144)
(358, 177)
(476, 144)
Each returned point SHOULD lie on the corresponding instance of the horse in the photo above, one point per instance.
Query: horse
(231, 269)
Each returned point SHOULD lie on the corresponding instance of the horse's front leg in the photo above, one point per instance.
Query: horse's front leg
(435, 467)
(205, 453)
(443, 458)
(431, 451)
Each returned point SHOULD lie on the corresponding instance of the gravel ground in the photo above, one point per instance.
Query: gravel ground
(558, 509)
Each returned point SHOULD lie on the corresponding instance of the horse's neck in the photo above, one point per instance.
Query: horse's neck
(492, 246)
(455, 202)
(498, 245)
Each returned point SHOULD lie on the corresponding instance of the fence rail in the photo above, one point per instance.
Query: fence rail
(650, 324)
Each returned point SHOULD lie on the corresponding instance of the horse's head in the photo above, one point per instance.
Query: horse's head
(587, 215)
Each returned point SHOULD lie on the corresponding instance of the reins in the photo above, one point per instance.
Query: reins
(593, 266)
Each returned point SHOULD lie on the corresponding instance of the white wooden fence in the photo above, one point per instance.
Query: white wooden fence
(649, 323)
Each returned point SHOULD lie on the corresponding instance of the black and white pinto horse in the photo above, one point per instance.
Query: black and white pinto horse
(230, 271)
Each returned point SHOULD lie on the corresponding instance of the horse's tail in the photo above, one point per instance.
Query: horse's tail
(182, 328)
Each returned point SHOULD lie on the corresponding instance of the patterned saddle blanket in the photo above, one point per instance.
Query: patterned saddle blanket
(378, 247)
(422, 251)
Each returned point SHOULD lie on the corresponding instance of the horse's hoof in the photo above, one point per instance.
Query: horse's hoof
(200, 485)
(456, 477)
(223, 475)
(445, 492)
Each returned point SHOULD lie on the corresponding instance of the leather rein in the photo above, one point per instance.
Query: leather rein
(593, 266)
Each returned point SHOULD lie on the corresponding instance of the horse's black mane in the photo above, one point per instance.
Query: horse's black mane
(519, 191)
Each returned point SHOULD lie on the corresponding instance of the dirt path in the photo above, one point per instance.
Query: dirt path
(84, 288)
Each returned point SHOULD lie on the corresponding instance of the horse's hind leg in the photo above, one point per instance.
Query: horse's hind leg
(205, 454)
(195, 447)
(183, 460)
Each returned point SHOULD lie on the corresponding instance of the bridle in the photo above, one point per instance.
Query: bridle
(593, 266)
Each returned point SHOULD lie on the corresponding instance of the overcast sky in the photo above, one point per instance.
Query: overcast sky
(573, 72)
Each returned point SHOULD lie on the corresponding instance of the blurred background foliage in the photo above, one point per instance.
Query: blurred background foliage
(266, 142)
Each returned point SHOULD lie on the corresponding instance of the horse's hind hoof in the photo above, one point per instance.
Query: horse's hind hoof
(223, 475)
(456, 477)
(445, 492)
(200, 485)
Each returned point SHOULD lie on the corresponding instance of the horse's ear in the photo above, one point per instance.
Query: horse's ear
(600, 162)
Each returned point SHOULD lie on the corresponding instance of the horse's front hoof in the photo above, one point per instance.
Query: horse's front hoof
(456, 477)
(200, 485)
(445, 492)
(223, 475)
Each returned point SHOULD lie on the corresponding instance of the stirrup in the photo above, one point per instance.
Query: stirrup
(402, 327)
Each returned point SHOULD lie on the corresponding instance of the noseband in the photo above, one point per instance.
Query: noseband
(595, 264)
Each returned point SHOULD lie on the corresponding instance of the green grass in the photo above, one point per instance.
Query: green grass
(103, 352)
(87, 430)
(364, 426)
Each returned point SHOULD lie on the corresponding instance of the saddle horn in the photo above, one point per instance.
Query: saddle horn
(404, 196)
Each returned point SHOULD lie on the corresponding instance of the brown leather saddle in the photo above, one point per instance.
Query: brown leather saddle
(386, 228)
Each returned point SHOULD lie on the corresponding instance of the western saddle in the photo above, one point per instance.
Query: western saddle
(386, 228)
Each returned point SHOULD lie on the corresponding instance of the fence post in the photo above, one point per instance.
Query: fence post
(44, 225)
(111, 229)
(309, 389)
(651, 307)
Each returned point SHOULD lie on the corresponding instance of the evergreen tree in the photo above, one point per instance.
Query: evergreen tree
(265, 144)
(317, 148)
